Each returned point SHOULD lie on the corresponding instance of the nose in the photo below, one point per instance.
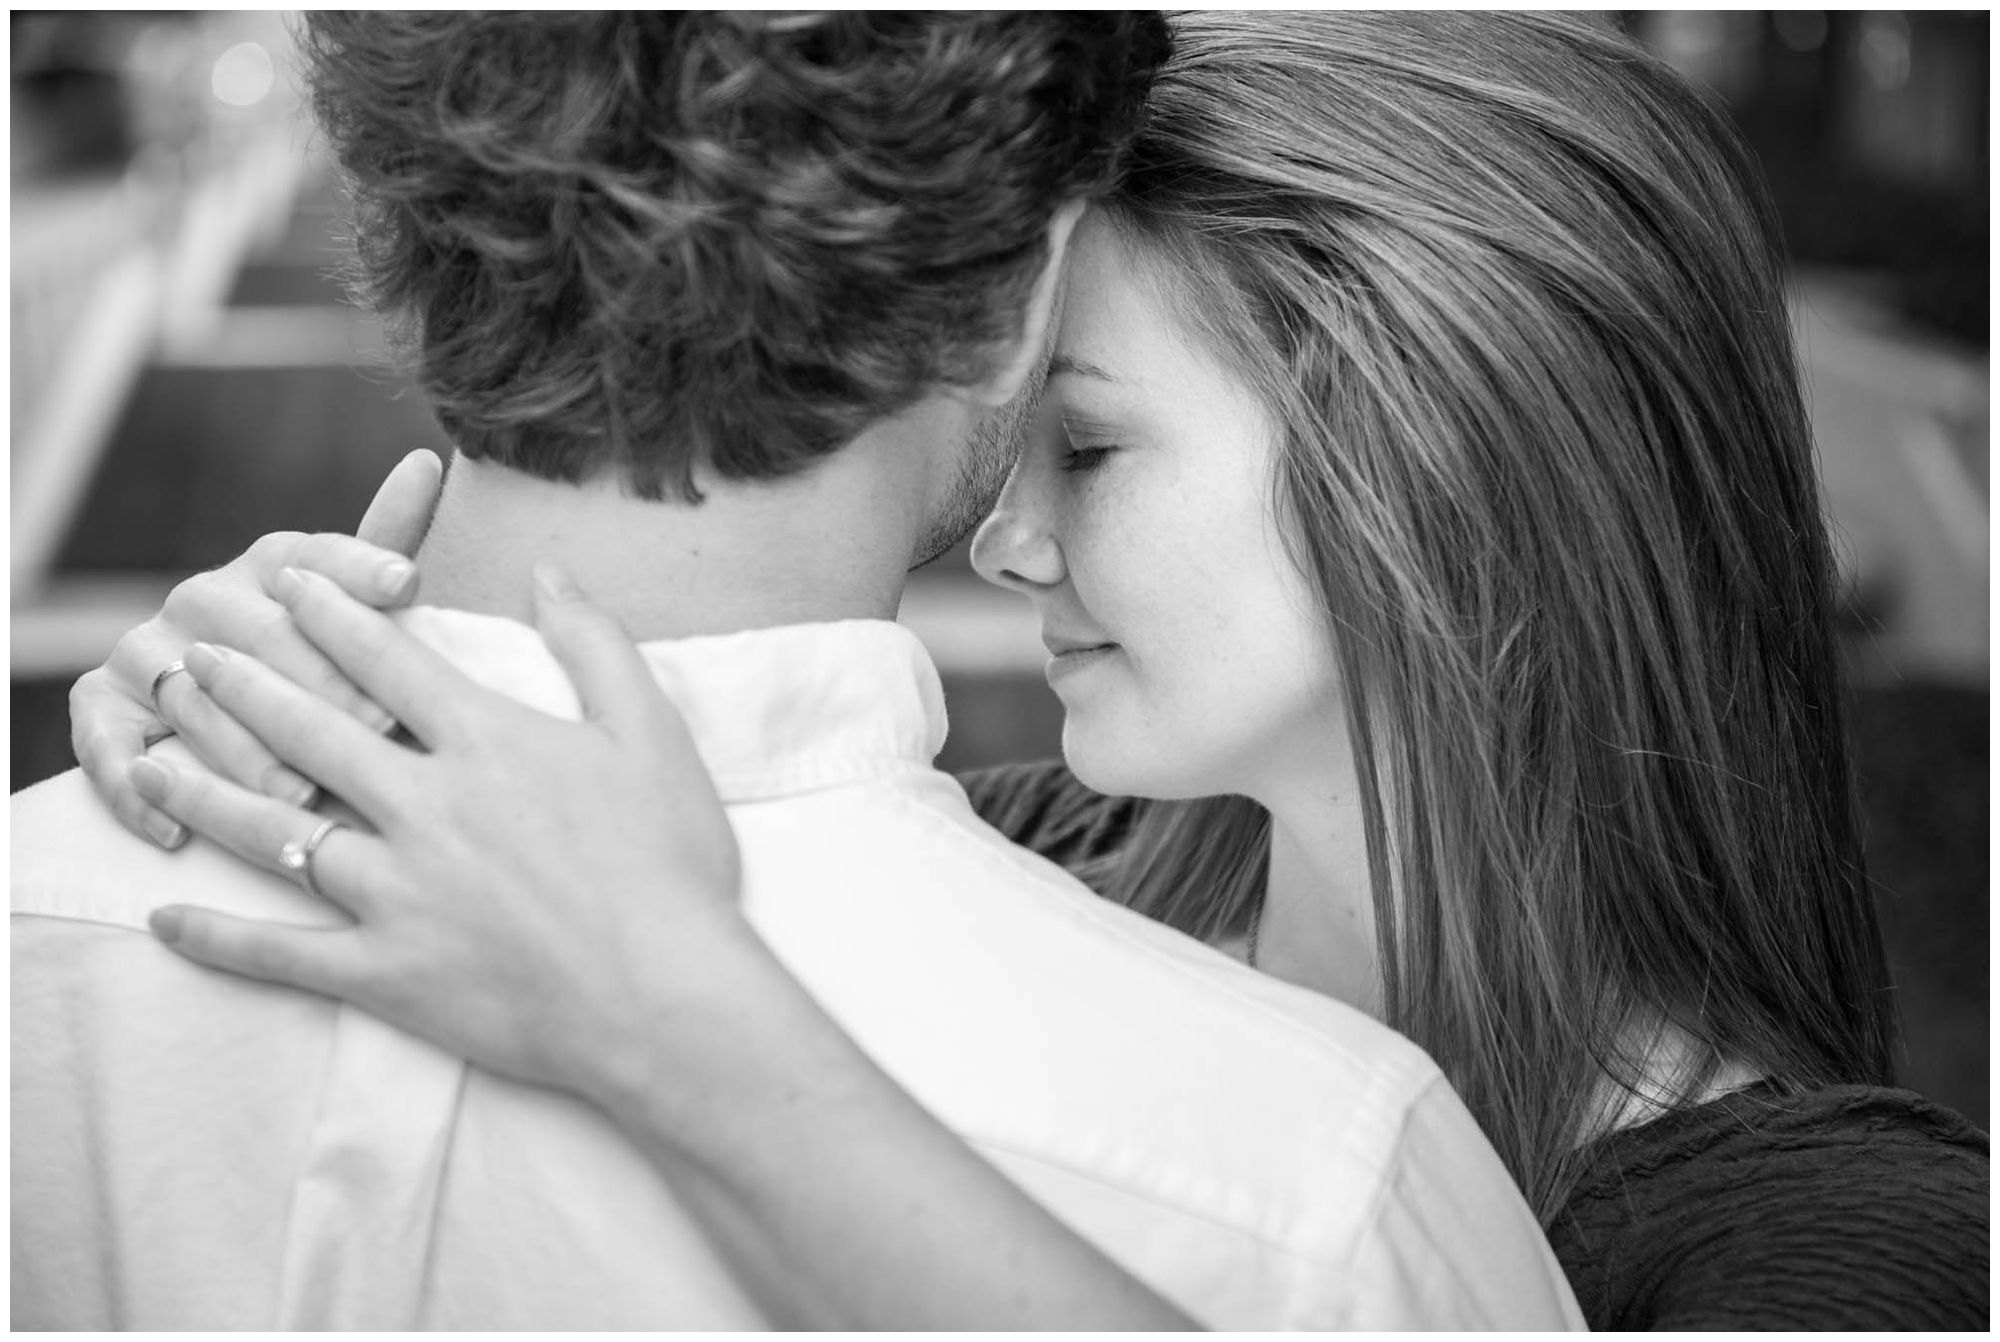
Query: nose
(1015, 546)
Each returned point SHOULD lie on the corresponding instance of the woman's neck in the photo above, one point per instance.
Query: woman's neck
(1664, 1060)
(1316, 927)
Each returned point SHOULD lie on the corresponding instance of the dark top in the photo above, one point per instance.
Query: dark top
(1850, 1207)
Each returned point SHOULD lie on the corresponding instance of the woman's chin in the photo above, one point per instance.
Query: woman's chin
(1125, 768)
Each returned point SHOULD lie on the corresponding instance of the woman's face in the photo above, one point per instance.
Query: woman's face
(1191, 656)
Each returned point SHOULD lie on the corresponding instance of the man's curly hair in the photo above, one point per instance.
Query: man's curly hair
(639, 240)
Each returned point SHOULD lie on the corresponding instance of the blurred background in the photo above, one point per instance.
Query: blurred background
(186, 376)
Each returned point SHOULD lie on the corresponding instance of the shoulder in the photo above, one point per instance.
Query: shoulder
(1849, 1207)
(1449, 1242)
(879, 897)
(70, 859)
(915, 864)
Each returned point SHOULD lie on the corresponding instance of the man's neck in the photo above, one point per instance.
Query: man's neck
(828, 544)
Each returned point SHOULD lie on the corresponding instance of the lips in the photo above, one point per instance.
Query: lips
(1062, 647)
(1072, 657)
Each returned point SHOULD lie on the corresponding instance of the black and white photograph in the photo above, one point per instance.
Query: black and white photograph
(949, 670)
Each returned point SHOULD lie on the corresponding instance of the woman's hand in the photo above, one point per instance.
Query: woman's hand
(121, 708)
(542, 897)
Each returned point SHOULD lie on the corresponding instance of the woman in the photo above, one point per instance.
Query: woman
(1495, 302)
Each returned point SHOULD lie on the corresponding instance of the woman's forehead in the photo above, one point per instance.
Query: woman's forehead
(1118, 320)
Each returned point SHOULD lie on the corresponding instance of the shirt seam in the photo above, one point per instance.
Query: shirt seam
(1263, 1241)
(1394, 1087)
(783, 781)
(1371, 1220)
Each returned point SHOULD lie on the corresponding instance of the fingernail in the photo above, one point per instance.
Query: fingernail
(203, 660)
(166, 924)
(555, 582)
(164, 831)
(152, 779)
(394, 577)
(287, 585)
(375, 718)
(286, 786)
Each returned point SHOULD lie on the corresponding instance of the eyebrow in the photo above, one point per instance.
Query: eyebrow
(1062, 363)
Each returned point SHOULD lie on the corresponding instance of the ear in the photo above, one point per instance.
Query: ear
(1029, 345)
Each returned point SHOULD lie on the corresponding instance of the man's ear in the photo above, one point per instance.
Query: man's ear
(1029, 345)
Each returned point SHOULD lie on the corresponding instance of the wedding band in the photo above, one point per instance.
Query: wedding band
(297, 858)
(169, 669)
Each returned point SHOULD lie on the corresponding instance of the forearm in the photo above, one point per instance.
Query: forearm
(833, 1190)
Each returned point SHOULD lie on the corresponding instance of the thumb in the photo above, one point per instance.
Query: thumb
(612, 680)
(400, 513)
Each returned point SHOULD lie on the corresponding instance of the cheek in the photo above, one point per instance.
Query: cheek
(1265, 680)
(1123, 568)
(1207, 723)
(1228, 665)
(1134, 572)
(1208, 598)
(1140, 542)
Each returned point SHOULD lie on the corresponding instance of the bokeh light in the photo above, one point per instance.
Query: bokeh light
(244, 75)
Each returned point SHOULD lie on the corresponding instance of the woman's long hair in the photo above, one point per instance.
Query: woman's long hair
(1515, 293)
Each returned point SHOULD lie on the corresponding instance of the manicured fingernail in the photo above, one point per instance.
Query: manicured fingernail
(394, 578)
(164, 831)
(555, 582)
(287, 585)
(286, 786)
(152, 779)
(166, 924)
(202, 661)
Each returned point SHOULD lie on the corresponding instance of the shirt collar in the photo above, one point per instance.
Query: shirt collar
(773, 712)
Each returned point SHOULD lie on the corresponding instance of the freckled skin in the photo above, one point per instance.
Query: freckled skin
(1223, 679)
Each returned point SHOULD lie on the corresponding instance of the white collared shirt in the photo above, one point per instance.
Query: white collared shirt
(193, 1150)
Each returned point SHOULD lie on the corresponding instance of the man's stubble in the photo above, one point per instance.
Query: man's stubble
(990, 451)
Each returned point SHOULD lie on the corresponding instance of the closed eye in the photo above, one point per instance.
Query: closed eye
(1086, 444)
(1086, 458)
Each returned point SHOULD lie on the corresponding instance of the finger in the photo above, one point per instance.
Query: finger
(248, 616)
(108, 732)
(304, 731)
(257, 829)
(226, 745)
(426, 693)
(319, 960)
(234, 606)
(611, 677)
(368, 573)
(135, 660)
(400, 512)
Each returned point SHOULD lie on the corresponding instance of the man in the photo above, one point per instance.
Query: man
(738, 317)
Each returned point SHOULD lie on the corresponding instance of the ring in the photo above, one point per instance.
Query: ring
(169, 669)
(297, 858)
